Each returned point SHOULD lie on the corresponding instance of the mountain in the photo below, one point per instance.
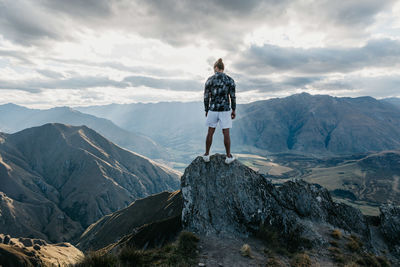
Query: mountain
(319, 124)
(393, 100)
(178, 126)
(57, 179)
(233, 209)
(132, 222)
(14, 118)
(301, 123)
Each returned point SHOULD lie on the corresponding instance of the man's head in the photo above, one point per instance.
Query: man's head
(219, 65)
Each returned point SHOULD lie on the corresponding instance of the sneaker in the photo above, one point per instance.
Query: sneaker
(206, 158)
(229, 160)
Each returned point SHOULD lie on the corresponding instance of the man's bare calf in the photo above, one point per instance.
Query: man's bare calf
(209, 140)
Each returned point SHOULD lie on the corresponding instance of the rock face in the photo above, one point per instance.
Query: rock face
(390, 225)
(57, 179)
(233, 199)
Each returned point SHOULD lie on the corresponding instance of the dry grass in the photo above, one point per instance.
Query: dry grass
(353, 246)
(301, 260)
(335, 250)
(99, 260)
(372, 260)
(354, 243)
(336, 234)
(181, 253)
(334, 243)
(274, 262)
(245, 250)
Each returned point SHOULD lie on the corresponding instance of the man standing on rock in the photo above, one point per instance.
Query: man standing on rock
(219, 98)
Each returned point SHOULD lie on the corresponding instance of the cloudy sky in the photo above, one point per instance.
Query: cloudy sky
(93, 52)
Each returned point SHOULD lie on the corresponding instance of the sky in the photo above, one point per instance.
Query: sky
(97, 52)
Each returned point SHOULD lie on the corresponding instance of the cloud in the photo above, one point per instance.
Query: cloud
(273, 59)
(263, 84)
(18, 55)
(378, 87)
(82, 9)
(161, 83)
(271, 47)
(78, 82)
(184, 22)
(58, 81)
(25, 22)
(50, 74)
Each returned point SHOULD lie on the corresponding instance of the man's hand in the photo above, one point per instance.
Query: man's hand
(206, 113)
(233, 114)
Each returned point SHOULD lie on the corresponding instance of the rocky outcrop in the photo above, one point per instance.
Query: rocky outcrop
(390, 225)
(234, 200)
(222, 203)
(36, 252)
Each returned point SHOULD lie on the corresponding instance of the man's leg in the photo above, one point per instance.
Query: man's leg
(227, 142)
(209, 140)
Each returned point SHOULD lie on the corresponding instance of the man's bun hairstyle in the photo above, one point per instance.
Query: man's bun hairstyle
(219, 64)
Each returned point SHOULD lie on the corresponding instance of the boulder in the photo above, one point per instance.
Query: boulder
(234, 200)
(7, 239)
(27, 242)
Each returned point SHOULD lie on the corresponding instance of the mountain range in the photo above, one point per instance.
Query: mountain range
(393, 100)
(318, 125)
(301, 123)
(57, 179)
(15, 118)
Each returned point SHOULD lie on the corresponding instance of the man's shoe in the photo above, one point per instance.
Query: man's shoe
(206, 158)
(230, 160)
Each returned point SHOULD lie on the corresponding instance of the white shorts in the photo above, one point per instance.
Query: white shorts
(223, 117)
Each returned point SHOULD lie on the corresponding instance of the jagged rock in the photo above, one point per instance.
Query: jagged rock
(390, 224)
(27, 242)
(40, 242)
(235, 200)
(28, 252)
(6, 239)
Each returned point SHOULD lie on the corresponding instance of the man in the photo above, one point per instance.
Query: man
(219, 98)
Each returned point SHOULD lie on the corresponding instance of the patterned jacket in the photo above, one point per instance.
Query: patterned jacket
(219, 88)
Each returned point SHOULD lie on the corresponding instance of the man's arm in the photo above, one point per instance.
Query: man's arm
(232, 96)
(207, 96)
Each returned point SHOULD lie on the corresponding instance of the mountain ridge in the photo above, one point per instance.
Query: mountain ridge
(300, 123)
(15, 118)
(74, 172)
